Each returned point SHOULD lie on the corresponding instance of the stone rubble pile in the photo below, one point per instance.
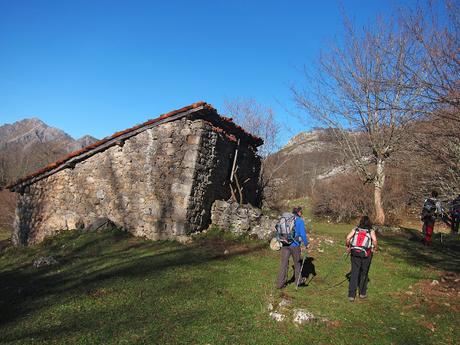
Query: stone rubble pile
(242, 219)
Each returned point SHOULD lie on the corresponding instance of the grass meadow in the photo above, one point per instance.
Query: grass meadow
(111, 288)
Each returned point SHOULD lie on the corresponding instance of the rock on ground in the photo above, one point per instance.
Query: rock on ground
(277, 316)
(285, 303)
(44, 261)
(302, 316)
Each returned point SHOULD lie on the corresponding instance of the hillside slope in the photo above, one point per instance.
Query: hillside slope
(297, 166)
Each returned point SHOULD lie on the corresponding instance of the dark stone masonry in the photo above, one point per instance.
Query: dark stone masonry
(157, 180)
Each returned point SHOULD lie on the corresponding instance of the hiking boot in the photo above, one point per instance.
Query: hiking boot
(362, 296)
(351, 299)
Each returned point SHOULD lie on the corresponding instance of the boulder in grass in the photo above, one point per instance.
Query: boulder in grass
(284, 303)
(277, 316)
(44, 261)
(302, 316)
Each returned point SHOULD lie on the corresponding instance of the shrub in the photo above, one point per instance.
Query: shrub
(345, 198)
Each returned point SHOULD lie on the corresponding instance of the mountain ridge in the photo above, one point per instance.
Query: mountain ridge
(30, 143)
(30, 131)
(307, 156)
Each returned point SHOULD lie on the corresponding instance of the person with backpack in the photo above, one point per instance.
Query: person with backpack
(430, 211)
(455, 214)
(361, 243)
(290, 232)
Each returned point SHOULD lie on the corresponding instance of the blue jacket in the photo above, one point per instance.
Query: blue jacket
(300, 231)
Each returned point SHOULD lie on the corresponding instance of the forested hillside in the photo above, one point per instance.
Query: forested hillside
(316, 165)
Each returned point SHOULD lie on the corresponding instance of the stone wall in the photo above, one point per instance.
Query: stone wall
(158, 184)
(212, 175)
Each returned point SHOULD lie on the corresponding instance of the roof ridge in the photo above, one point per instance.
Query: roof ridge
(76, 153)
(72, 158)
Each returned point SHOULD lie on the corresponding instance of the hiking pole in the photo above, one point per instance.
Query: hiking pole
(301, 269)
(312, 276)
(335, 285)
(336, 263)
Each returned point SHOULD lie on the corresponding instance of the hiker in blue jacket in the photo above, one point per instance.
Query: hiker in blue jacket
(293, 249)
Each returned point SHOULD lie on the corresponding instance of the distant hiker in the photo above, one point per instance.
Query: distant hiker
(290, 232)
(361, 243)
(430, 211)
(454, 211)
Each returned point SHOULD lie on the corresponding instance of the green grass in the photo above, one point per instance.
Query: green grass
(4, 234)
(302, 202)
(110, 288)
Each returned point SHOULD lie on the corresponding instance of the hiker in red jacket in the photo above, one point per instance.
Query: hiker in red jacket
(431, 210)
(361, 244)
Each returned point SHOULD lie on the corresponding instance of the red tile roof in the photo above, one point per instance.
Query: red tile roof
(200, 109)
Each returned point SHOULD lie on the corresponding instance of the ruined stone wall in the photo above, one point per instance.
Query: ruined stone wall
(143, 186)
(160, 184)
(213, 170)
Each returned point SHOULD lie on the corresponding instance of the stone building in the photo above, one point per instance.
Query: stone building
(158, 179)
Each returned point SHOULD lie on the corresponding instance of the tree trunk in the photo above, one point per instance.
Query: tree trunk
(378, 186)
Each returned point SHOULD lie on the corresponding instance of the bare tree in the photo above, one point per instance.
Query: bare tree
(256, 119)
(436, 157)
(437, 41)
(3, 176)
(7, 207)
(259, 120)
(359, 88)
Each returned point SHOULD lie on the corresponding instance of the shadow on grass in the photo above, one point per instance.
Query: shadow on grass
(85, 261)
(443, 254)
(85, 326)
(307, 273)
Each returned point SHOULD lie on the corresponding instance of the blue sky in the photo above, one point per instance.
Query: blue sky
(99, 66)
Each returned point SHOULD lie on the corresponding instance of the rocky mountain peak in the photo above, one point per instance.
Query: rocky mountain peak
(316, 140)
(304, 137)
(33, 131)
(86, 140)
(29, 144)
(31, 120)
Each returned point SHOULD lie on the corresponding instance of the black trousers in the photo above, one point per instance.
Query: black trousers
(359, 271)
(455, 224)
